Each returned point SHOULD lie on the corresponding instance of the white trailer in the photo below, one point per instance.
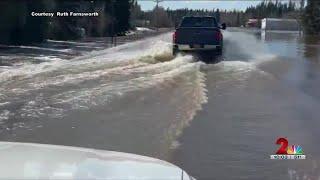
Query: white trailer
(280, 24)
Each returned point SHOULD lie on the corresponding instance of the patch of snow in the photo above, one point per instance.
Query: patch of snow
(144, 29)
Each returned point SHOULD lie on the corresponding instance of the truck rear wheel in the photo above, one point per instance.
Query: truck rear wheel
(175, 51)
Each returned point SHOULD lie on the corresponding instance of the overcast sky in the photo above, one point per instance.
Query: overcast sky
(200, 4)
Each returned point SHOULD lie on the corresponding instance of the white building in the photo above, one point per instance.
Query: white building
(280, 24)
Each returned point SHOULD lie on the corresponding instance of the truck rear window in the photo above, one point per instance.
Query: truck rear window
(199, 22)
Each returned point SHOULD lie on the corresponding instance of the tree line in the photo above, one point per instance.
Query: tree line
(306, 12)
(19, 27)
(271, 9)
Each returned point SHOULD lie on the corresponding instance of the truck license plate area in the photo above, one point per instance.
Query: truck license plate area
(196, 46)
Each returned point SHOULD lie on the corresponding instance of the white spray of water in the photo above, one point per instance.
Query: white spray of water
(97, 78)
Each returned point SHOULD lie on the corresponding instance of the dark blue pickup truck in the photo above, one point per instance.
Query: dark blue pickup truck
(198, 34)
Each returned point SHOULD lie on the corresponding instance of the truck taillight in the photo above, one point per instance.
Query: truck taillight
(219, 36)
(174, 36)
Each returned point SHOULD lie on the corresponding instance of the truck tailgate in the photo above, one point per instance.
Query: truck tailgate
(194, 35)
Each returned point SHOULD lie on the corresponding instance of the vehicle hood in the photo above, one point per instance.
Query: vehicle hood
(39, 161)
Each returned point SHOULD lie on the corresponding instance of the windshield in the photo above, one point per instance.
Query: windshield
(199, 22)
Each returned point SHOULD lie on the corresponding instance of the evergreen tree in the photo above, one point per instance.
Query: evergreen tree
(35, 29)
(311, 17)
(119, 12)
(217, 15)
(65, 28)
(238, 23)
(18, 26)
(122, 15)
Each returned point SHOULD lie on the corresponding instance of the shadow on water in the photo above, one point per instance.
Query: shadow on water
(211, 58)
(311, 48)
(208, 58)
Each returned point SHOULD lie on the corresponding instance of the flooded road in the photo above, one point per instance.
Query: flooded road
(216, 121)
(270, 90)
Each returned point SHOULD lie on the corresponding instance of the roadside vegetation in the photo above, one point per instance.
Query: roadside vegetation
(311, 17)
(19, 27)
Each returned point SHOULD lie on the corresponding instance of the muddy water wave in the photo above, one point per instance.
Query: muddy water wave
(53, 90)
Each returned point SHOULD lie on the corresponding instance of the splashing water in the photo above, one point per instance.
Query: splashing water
(55, 89)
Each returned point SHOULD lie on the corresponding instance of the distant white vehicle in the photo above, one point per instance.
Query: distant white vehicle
(280, 24)
(39, 161)
(144, 29)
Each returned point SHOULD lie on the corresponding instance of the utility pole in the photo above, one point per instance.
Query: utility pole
(157, 10)
(113, 38)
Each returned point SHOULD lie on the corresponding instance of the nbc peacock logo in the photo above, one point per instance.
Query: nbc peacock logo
(288, 152)
(295, 150)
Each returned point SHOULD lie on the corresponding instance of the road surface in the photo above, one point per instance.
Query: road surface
(216, 121)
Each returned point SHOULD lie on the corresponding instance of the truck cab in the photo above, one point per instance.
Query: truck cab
(198, 34)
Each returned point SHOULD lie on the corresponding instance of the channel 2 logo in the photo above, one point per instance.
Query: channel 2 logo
(287, 151)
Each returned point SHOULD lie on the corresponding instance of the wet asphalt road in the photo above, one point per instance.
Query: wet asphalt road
(216, 121)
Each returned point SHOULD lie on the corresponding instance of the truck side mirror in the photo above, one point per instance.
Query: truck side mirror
(223, 26)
